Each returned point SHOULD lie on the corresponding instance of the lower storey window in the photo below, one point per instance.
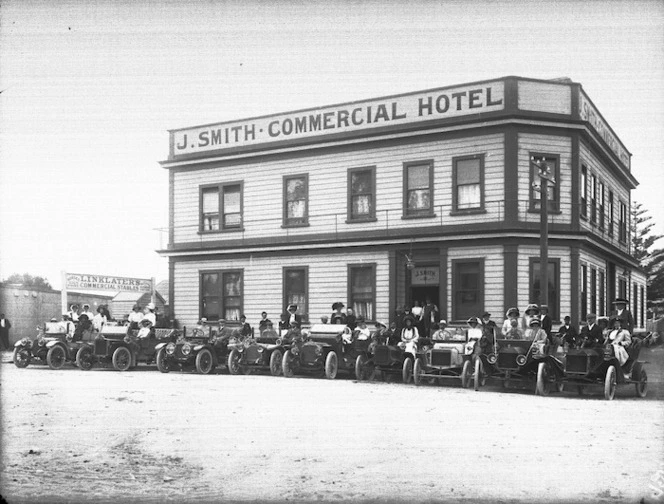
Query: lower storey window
(362, 290)
(467, 288)
(295, 289)
(221, 295)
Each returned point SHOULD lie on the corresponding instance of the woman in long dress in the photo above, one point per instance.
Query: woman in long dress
(619, 338)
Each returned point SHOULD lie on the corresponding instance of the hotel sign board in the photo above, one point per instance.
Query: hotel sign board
(76, 281)
(359, 116)
(426, 275)
(588, 112)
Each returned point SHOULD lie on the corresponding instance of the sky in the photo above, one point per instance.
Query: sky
(90, 88)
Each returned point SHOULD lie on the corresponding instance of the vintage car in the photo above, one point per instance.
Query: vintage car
(444, 359)
(520, 360)
(120, 346)
(202, 348)
(324, 349)
(258, 354)
(53, 345)
(387, 360)
(599, 365)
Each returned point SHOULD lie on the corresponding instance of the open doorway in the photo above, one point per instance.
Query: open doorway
(421, 293)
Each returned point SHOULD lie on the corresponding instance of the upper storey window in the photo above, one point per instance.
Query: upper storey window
(468, 182)
(553, 164)
(210, 209)
(232, 206)
(296, 200)
(221, 207)
(418, 189)
(362, 194)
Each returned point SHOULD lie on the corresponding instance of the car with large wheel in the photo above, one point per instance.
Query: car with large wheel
(586, 367)
(200, 348)
(53, 346)
(324, 350)
(443, 361)
(264, 353)
(390, 359)
(525, 361)
(119, 346)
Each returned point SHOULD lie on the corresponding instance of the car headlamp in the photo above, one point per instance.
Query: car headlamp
(318, 351)
(26, 342)
(278, 342)
(608, 352)
(170, 348)
(247, 343)
(127, 339)
(186, 349)
(41, 341)
(492, 358)
(521, 360)
(295, 350)
(260, 349)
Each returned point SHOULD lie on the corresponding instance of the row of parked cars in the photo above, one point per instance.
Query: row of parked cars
(327, 350)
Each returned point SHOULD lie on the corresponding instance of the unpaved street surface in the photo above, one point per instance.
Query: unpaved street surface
(101, 436)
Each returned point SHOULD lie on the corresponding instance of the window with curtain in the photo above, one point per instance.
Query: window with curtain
(232, 206)
(468, 183)
(210, 209)
(362, 194)
(296, 196)
(419, 190)
(295, 289)
(232, 295)
(362, 290)
(211, 296)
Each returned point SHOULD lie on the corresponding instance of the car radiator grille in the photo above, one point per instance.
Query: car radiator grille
(382, 355)
(178, 353)
(439, 358)
(101, 347)
(308, 354)
(576, 364)
(507, 361)
(251, 354)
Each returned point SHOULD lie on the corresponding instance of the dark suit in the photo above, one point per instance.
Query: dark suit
(430, 312)
(286, 318)
(4, 334)
(591, 336)
(569, 335)
(547, 325)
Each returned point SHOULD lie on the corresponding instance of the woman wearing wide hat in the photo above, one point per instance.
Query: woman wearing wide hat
(620, 310)
(512, 314)
(338, 317)
(409, 335)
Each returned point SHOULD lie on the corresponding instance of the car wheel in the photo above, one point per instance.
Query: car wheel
(275, 362)
(641, 378)
(465, 374)
(204, 361)
(479, 378)
(286, 367)
(56, 356)
(543, 384)
(331, 365)
(84, 358)
(610, 383)
(121, 358)
(417, 372)
(162, 360)
(22, 357)
(361, 368)
(234, 362)
(407, 370)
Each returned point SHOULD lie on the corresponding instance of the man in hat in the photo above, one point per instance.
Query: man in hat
(568, 334)
(5, 326)
(245, 330)
(488, 333)
(547, 323)
(264, 322)
(430, 317)
(621, 310)
(591, 333)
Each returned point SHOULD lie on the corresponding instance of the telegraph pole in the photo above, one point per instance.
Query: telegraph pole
(545, 175)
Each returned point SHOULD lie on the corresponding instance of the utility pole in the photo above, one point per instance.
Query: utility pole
(545, 175)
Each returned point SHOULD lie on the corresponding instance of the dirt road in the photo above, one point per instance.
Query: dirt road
(101, 435)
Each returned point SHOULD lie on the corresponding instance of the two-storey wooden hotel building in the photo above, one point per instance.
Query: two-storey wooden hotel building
(383, 202)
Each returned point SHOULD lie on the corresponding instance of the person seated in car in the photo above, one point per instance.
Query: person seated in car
(263, 323)
(68, 326)
(293, 332)
(489, 329)
(512, 314)
(619, 338)
(604, 325)
(473, 336)
(568, 334)
(362, 332)
(351, 320)
(245, 328)
(84, 324)
(531, 311)
(338, 317)
(135, 317)
(144, 332)
(537, 335)
(441, 334)
(591, 333)
(514, 332)
(409, 335)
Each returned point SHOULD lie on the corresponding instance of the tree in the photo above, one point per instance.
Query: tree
(27, 280)
(652, 262)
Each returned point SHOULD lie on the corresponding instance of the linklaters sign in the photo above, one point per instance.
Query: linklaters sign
(76, 281)
(348, 117)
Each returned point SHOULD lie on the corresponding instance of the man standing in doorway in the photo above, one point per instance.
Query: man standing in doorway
(5, 326)
(430, 317)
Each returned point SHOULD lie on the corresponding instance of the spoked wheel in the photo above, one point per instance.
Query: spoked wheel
(417, 372)
(275, 362)
(466, 373)
(610, 383)
(204, 361)
(122, 359)
(22, 357)
(331, 365)
(480, 376)
(641, 378)
(162, 361)
(234, 362)
(286, 367)
(407, 370)
(84, 358)
(55, 358)
(543, 379)
(361, 372)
